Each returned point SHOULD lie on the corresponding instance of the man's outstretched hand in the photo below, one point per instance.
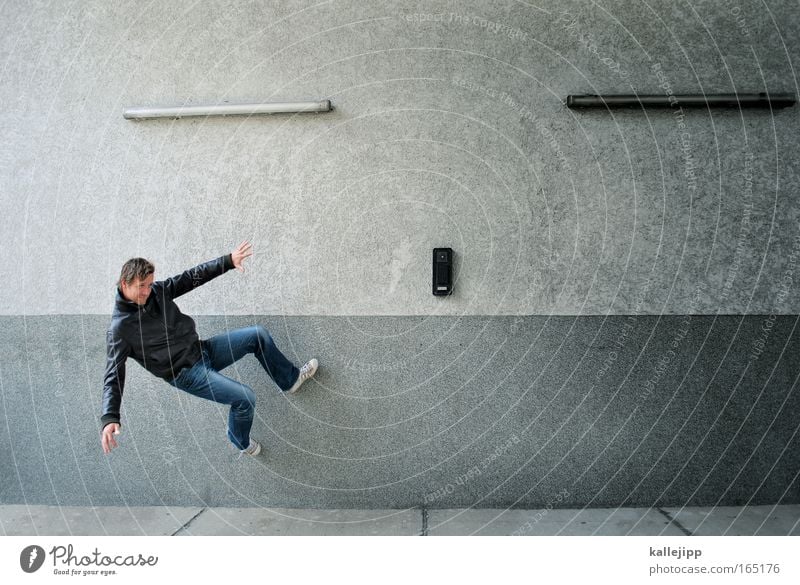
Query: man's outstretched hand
(244, 250)
(108, 441)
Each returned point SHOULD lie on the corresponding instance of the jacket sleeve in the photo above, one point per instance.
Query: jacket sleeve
(117, 352)
(194, 277)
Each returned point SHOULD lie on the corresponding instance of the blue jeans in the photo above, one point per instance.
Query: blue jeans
(204, 380)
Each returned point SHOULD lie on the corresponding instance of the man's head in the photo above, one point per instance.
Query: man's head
(135, 280)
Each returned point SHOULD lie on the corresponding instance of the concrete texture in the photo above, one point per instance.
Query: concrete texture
(550, 522)
(563, 361)
(299, 522)
(160, 521)
(733, 521)
(448, 130)
(107, 520)
(475, 412)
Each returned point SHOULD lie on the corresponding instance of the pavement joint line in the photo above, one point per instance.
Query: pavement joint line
(424, 521)
(186, 525)
(674, 521)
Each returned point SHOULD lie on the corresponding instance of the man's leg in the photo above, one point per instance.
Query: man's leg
(226, 348)
(205, 382)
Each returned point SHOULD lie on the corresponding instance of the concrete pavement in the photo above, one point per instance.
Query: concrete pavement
(21, 520)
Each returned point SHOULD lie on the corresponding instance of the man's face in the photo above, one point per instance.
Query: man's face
(138, 290)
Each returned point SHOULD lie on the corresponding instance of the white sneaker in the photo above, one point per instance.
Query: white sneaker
(254, 448)
(307, 371)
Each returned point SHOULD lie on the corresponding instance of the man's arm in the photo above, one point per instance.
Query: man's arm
(113, 383)
(201, 274)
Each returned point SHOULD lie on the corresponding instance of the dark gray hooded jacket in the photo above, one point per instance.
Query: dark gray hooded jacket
(156, 335)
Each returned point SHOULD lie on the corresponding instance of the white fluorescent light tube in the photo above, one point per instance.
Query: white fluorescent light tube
(227, 110)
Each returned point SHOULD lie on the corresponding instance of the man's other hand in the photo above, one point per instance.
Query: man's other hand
(108, 441)
(244, 250)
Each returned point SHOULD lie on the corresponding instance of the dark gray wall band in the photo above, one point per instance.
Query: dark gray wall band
(481, 411)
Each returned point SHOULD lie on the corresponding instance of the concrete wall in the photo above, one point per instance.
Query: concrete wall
(483, 411)
(573, 232)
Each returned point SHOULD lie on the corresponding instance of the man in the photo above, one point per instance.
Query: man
(149, 327)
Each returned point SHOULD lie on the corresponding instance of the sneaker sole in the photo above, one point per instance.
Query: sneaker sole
(254, 453)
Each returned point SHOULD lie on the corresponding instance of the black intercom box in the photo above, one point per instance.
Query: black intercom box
(442, 271)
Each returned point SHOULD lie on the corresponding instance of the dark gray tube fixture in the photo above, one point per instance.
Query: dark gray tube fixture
(732, 100)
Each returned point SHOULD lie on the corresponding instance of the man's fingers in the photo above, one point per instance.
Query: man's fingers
(108, 440)
(108, 443)
(245, 250)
